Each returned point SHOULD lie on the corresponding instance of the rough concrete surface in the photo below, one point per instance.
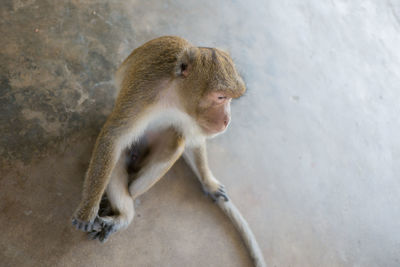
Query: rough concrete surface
(312, 157)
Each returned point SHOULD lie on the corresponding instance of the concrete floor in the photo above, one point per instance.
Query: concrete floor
(312, 158)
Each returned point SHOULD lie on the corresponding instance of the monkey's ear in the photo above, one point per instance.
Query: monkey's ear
(185, 62)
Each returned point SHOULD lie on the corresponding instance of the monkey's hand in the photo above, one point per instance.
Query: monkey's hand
(215, 191)
(84, 219)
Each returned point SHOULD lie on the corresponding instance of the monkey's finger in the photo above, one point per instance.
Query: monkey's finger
(80, 226)
(221, 190)
(213, 197)
(225, 197)
(222, 194)
(88, 227)
(83, 226)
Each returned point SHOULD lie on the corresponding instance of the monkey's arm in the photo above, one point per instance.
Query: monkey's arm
(116, 134)
(104, 158)
(196, 157)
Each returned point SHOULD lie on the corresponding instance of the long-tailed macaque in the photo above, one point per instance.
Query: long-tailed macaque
(173, 96)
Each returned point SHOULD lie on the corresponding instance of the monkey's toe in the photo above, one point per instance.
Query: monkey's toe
(106, 232)
(94, 235)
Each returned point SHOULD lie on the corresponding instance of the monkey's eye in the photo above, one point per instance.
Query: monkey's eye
(219, 97)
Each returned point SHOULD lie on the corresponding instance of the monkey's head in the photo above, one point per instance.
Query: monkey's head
(210, 81)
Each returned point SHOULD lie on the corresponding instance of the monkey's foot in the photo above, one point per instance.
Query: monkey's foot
(220, 192)
(107, 228)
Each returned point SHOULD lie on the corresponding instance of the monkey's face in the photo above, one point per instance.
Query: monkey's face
(209, 82)
(214, 112)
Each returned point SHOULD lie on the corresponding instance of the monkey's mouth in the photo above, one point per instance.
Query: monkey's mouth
(214, 130)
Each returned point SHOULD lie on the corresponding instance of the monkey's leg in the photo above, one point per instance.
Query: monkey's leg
(120, 200)
(164, 152)
(196, 157)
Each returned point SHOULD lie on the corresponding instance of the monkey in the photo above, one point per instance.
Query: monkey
(172, 97)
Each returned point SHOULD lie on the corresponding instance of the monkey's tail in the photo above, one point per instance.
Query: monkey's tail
(245, 232)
